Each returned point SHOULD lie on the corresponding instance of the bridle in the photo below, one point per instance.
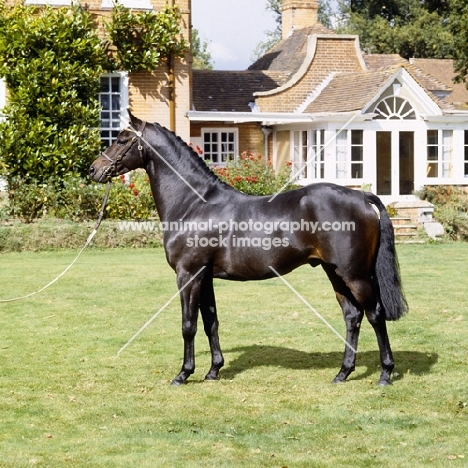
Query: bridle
(125, 149)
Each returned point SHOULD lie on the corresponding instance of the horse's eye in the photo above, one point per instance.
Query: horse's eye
(120, 142)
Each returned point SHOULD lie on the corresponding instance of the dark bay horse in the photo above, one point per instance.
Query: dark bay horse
(215, 231)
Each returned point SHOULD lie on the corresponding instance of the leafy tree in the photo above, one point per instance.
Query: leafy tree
(411, 28)
(201, 56)
(143, 40)
(51, 60)
(458, 26)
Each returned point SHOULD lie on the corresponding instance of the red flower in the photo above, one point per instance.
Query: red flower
(136, 193)
(131, 186)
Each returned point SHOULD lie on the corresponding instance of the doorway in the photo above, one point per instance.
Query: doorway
(406, 144)
(395, 163)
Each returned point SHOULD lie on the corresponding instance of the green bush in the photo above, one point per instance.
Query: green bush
(250, 174)
(132, 200)
(451, 208)
(77, 199)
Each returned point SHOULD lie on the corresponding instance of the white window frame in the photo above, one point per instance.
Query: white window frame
(465, 154)
(442, 154)
(56, 3)
(300, 153)
(134, 4)
(308, 154)
(223, 154)
(346, 152)
(116, 115)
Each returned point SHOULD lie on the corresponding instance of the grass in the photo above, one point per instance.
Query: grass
(66, 399)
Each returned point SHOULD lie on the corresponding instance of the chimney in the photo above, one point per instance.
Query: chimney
(298, 14)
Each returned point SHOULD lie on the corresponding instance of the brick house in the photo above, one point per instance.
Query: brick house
(338, 114)
(315, 99)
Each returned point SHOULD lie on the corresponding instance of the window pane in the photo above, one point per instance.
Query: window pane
(357, 153)
(115, 102)
(341, 154)
(432, 170)
(115, 84)
(356, 137)
(356, 171)
(432, 137)
(446, 169)
(104, 85)
(432, 153)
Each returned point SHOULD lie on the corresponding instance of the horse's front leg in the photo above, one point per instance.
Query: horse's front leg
(210, 322)
(190, 299)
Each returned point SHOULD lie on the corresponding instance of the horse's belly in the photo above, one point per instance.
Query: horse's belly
(257, 264)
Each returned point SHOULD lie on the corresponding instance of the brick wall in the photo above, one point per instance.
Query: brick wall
(332, 54)
(250, 135)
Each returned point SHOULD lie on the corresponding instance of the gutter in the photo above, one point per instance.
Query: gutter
(273, 118)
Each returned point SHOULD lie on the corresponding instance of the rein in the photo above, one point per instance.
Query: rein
(88, 241)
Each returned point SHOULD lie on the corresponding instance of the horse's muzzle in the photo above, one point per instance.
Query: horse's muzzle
(100, 173)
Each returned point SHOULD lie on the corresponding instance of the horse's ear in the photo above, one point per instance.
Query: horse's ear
(134, 121)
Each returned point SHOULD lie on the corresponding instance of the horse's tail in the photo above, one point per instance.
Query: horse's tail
(387, 271)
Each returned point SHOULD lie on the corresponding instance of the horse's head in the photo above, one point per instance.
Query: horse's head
(124, 155)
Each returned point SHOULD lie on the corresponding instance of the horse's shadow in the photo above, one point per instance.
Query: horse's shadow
(416, 362)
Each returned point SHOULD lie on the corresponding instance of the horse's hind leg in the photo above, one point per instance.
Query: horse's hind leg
(352, 314)
(210, 323)
(353, 317)
(377, 320)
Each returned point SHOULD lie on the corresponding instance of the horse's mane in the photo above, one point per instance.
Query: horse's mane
(194, 157)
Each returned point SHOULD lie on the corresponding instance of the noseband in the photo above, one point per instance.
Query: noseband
(138, 137)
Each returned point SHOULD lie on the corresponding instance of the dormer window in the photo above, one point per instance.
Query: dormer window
(395, 108)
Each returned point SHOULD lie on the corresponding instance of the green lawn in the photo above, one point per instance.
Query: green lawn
(67, 399)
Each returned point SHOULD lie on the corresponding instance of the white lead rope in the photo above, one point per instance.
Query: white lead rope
(88, 241)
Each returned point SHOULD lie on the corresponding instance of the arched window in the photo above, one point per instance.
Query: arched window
(394, 108)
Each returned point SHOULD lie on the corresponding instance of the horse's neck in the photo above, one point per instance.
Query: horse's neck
(179, 182)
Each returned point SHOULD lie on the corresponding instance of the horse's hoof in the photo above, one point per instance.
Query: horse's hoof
(176, 382)
(338, 380)
(384, 382)
(211, 377)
